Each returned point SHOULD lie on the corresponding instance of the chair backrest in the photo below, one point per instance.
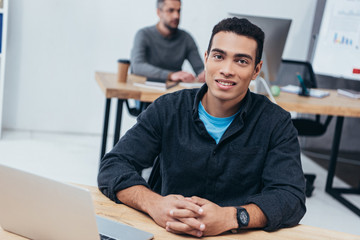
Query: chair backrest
(287, 75)
(288, 70)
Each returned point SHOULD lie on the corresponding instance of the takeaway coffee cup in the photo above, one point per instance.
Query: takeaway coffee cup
(123, 67)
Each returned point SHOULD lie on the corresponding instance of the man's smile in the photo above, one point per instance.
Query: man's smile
(225, 82)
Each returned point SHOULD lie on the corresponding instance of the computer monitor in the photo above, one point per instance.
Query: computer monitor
(337, 52)
(276, 31)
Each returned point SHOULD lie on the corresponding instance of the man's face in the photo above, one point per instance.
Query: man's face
(230, 66)
(169, 14)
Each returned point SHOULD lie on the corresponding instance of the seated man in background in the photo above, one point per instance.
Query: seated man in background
(229, 159)
(159, 51)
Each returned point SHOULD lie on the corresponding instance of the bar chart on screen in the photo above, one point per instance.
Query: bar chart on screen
(337, 52)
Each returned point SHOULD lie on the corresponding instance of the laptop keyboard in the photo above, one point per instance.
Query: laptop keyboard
(103, 237)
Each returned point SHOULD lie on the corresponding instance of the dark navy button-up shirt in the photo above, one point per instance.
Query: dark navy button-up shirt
(257, 160)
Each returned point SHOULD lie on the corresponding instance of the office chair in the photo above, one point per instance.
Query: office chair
(135, 111)
(306, 127)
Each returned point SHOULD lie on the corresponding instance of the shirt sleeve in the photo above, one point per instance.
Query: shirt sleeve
(193, 56)
(137, 149)
(282, 198)
(139, 64)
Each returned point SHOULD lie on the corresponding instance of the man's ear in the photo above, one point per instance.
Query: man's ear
(257, 70)
(158, 12)
(205, 59)
(206, 56)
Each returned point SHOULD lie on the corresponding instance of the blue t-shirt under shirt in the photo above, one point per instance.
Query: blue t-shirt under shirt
(214, 125)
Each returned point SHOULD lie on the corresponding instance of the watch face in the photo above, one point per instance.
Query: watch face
(243, 217)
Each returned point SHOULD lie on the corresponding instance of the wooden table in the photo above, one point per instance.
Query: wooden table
(334, 104)
(119, 212)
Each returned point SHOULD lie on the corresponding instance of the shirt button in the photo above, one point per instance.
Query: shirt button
(214, 152)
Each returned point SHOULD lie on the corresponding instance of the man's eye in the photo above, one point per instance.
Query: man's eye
(242, 61)
(217, 56)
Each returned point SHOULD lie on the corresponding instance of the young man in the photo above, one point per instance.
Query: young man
(159, 51)
(228, 158)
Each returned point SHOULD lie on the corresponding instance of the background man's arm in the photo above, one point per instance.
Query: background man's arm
(194, 58)
(139, 64)
(181, 76)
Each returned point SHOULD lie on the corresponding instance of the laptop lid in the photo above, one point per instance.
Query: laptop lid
(40, 208)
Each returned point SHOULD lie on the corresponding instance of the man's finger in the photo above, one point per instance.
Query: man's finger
(177, 196)
(181, 228)
(182, 204)
(183, 213)
(187, 217)
(193, 223)
(197, 200)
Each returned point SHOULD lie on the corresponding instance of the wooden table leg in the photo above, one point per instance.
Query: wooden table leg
(106, 126)
(118, 120)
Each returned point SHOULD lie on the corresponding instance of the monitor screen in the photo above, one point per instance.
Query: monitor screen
(337, 52)
(276, 31)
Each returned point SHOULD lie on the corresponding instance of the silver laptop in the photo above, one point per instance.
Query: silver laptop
(40, 208)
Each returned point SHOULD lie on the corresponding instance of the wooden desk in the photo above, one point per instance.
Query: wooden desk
(335, 105)
(113, 89)
(129, 216)
(332, 105)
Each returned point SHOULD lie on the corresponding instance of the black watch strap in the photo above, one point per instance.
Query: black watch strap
(242, 217)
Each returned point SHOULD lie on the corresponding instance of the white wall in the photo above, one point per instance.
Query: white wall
(54, 48)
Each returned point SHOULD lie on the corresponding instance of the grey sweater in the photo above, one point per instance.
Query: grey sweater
(155, 56)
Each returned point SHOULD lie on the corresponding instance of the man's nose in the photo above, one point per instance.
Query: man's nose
(227, 68)
(176, 14)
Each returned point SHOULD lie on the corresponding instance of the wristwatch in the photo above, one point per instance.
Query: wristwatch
(242, 217)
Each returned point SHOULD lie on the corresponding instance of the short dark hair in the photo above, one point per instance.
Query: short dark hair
(241, 27)
(160, 3)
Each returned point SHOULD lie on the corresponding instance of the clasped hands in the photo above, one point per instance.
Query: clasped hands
(182, 76)
(194, 216)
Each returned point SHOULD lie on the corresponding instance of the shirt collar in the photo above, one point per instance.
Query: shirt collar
(244, 107)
